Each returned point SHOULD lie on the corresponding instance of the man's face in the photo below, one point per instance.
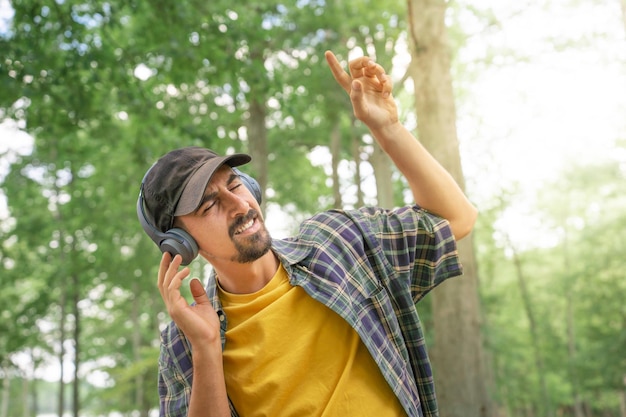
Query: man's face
(228, 225)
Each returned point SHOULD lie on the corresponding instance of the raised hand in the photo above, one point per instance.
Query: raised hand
(199, 322)
(369, 88)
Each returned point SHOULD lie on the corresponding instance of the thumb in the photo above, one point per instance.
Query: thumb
(357, 88)
(197, 291)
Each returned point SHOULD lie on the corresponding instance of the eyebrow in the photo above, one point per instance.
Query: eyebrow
(211, 196)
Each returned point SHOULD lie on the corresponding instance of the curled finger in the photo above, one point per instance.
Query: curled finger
(372, 69)
(358, 65)
(386, 84)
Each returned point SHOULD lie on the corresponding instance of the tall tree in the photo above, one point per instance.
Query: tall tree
(458, 359)
(544, 406)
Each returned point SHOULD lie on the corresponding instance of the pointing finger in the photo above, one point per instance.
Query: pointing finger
(342, 78)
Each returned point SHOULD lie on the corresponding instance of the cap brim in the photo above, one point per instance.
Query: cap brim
(194, 190)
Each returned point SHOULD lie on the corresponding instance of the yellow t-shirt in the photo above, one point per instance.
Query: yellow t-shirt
(289, 355)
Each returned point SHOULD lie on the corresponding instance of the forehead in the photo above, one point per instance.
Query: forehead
(221, 176)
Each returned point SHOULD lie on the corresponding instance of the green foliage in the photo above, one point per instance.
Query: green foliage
(577, 294)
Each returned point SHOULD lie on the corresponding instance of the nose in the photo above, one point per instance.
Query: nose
(237, 204)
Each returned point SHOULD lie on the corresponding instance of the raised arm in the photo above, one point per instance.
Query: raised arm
(370, 90)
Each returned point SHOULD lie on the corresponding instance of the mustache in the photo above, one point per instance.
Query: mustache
(239, 221)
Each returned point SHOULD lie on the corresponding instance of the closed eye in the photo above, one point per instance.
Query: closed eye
(209, 200)
(208, 205)
(235, 186)
(212, 200)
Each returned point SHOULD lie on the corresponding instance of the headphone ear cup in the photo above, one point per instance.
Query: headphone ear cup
(178, 242)
(175, 241)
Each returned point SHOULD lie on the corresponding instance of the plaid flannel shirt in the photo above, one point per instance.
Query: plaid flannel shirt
(371, 266)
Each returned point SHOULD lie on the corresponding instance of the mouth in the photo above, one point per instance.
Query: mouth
(244, 227)
(244, 224)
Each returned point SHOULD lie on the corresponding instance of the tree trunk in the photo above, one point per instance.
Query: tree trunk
(24, 399)
(622, 405)
(534, 335)
(382, 171)
(257, 141)
(6, 386)
(571, 335)
(335, 152)
(62, 301)
(571, 351)
(34, 403)
(77, 346)
(136, 346)
(461, 374)
(356, 157)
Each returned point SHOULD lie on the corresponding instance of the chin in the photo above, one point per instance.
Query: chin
(254, 248)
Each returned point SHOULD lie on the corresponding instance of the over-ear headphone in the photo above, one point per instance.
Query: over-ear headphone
(176, 240)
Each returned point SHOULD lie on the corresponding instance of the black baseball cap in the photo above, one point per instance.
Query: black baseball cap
(175, 184)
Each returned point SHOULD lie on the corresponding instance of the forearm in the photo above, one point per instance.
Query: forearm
(433, 187)
(208, 391)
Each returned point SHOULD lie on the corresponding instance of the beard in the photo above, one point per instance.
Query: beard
(252, 247)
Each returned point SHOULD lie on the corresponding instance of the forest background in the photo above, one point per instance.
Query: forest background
(532, 98)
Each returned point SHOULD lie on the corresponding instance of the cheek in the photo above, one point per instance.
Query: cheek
(210, 236)
(255, 205)
(214, 245)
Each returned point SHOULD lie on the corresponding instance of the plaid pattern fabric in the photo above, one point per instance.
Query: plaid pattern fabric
(371, 266)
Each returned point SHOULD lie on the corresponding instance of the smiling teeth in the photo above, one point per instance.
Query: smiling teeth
(245, 227)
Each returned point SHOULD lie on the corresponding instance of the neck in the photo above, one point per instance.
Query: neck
(247, 278)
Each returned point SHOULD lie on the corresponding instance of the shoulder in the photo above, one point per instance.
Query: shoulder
(392, 230)
(406, 228)
(376, 220)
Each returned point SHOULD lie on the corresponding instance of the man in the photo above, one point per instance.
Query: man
(321, 324)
